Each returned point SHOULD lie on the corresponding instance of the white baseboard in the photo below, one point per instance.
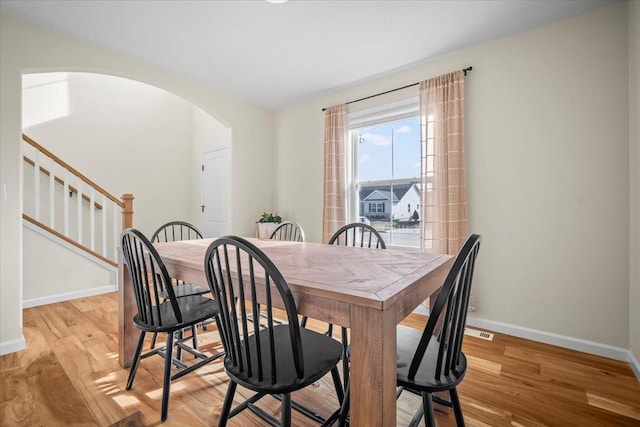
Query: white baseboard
(35, 302)
(578, 344)
(12, 346)
(635, 365)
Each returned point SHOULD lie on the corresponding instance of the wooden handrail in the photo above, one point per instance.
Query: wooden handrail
(68, 240)
(61, 182)
(72, 170)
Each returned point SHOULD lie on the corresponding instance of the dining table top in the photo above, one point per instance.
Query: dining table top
(363, 276)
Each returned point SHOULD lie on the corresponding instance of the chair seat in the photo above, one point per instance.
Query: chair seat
(320, 355)
(194, 310)
(408, 339)
(186, 289)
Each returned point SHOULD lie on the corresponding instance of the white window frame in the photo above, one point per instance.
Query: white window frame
(409, 107)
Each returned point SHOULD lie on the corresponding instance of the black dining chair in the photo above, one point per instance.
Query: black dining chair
(149, 279)
(288, 230)
(175, 231)
(358, 234)
(172, 232)
(272, 360)
(432, 360)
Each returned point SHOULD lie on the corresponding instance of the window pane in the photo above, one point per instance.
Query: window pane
(406, 148)
(374, 152)
(393, 210)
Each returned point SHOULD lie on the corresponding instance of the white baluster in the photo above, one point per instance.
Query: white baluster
(79, 210)
(65, 196)
(92, 217)
(52, 192)
(36, 185)
(105, 211)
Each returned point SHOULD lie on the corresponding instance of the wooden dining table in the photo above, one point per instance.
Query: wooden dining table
(367, 290)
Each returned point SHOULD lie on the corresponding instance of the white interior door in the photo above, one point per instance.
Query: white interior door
(215, 190)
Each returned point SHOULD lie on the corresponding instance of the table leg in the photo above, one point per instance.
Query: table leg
(127, 332)
(373, 367)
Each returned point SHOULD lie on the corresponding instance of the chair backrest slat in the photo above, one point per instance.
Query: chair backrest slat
(238, 273)
(449, 313)
(176, 230)
(288, 230)
(354, 234)
(149, 278)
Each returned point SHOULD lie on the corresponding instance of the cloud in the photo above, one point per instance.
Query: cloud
(375, 139)
(404, 129)
(364, 158)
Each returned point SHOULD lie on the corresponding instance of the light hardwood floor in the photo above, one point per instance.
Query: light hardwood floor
(69, 375)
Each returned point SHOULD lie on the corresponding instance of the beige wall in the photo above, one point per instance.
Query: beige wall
(25, 48)
(634, 164)
(548, 176)
(61, 271)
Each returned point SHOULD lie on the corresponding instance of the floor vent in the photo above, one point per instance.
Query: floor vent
(478, 334)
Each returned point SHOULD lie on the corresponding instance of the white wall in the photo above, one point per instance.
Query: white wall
(548, 173)
(634, 164)
(25, 48)
(60, 273)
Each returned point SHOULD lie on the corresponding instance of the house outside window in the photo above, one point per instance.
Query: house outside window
(385, 172)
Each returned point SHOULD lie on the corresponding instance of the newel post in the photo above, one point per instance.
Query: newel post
(127, 211)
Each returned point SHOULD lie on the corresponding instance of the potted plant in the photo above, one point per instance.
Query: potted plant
(267, 223)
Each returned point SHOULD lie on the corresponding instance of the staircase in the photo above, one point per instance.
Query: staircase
(64, 206)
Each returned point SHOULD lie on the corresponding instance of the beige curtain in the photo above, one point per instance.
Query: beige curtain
(444, 206)
(334, 213)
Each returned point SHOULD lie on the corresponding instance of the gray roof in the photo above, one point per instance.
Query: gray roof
(399, 190)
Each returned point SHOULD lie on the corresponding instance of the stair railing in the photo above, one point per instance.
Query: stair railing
(53, 209)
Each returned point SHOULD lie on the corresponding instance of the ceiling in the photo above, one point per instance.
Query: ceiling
(275, 55)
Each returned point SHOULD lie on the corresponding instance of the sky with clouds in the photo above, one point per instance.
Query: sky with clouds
(379, 144)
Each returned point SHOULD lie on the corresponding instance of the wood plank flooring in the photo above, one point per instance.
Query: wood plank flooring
(69, 375)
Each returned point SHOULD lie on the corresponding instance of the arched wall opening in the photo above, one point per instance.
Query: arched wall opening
(126, 136)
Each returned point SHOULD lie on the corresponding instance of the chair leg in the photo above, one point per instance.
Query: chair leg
(429, 416)
(154, 340)
(345, 358)
(344, 408)
(335, 375)
(226, 406)
(415, 421)
(166, 381)
(179, 351)
(194, 336)
(457, 409)
(286, 410)
(303, 323)
(136, 360)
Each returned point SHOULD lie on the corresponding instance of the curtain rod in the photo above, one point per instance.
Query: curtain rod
(394, 90)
